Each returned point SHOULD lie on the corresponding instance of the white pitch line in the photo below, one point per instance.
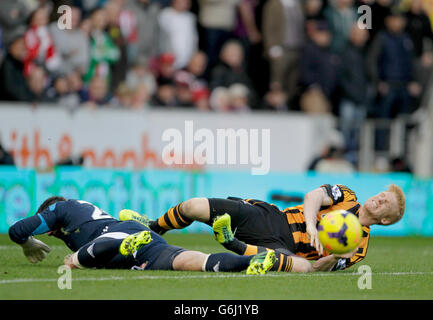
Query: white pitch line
(219, 276)
(13, 247)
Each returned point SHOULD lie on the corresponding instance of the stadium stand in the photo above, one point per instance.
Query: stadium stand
(310, 56)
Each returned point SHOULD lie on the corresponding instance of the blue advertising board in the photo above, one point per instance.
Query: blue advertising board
(154, 191)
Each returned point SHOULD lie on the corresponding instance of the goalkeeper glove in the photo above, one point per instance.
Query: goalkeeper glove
(35, 250)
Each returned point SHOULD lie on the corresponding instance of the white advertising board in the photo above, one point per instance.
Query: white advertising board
(117, 138)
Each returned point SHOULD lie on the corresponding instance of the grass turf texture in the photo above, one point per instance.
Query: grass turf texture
(401, 267)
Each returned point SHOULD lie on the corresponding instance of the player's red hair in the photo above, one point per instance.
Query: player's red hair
(401, 200)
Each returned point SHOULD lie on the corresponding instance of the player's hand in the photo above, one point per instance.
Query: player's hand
(313, 234)
(346, 255)
(35, 250)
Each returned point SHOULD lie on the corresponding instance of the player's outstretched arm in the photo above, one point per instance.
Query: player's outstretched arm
(325, 264)
(312, 203)
(22, 233)
(329, 262)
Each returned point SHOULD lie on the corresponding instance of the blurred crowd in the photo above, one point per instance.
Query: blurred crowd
(313, 56)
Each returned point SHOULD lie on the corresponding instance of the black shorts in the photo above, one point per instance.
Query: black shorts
(261, 224)
(158, 254)
(166, 258)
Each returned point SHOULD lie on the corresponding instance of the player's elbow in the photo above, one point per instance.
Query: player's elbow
(314, 194)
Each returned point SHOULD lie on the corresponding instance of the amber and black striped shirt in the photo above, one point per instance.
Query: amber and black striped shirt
(342, 198)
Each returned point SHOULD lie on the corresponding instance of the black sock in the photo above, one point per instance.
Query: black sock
(236, 246)
(284, 262)
(227, 262)
(172, 219)
(155, 227)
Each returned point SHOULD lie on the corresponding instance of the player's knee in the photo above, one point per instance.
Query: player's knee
(196, 209)
(189, 261)
(188, 206)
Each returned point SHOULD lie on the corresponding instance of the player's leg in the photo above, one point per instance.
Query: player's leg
(291, 263)
(195, 209)
(182, 215)
(286, 262)
(224, 262)
(101, 252)
(301, 265)
(131, 215)
(224, 235)
(95, 254)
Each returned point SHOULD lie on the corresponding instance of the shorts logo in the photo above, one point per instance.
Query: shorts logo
(216, 267)
(90, 250)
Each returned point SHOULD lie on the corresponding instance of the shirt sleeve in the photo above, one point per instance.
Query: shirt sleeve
(23, 229)
(339, 193)
(49, 219)
(359, 256)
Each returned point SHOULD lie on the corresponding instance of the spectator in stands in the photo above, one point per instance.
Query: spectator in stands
(334, 162)
(391, 67)
(13, 16)
(165, 93)
(71, 44)
(354, 84)
(114, 9)
(97, 93)
(276, 99)
(59, 90)
(126, 20)
(193, 76)
(196, 67)
(218, 20)
(180, 25)
(140, 97)
(284, 38)
(122, 96)
(220, 100)
(163, 3)
(103, 52)
(75, 83)
(152, 41)
(381, 9)
(313, 10)
(37, 81)
(140, 74)
(6, 157)
(400, 164)
(419, 29)
(332, 158)
(1, 46)
(247, 29)
(164, 68)
(184, 94)
(239, 97)
(88, 6)
(40, 45)
(200, 97)
(230, 69)
(319, 70)
(341, 16)
(13, 84)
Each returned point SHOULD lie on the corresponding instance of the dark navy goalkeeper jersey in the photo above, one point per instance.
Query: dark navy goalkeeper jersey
(78, 222)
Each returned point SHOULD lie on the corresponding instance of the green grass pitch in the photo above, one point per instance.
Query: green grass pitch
(402, 268)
